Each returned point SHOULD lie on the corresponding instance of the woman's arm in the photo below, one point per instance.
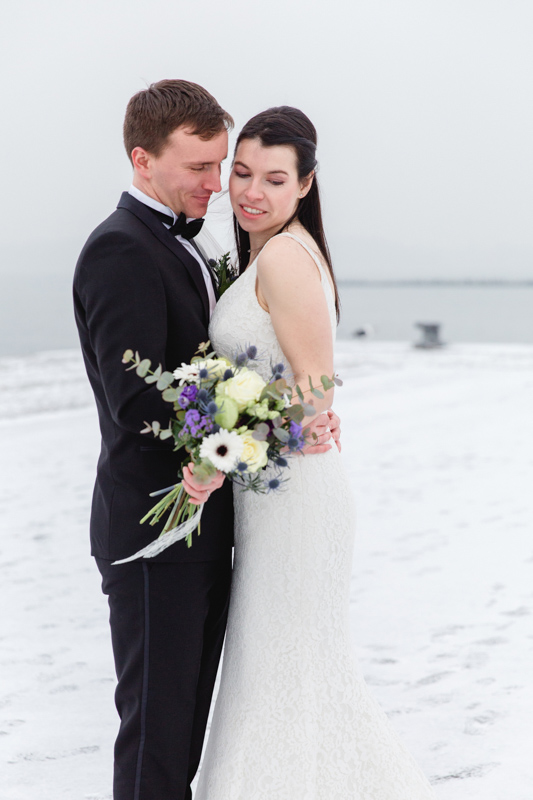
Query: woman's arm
(290, 289)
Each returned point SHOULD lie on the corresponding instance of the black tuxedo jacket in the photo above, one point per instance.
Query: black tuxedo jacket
(137, 287)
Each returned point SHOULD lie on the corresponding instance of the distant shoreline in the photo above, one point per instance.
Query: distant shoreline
(433, 282)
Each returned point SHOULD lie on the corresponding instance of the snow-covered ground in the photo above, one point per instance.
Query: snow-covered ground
(439, 447)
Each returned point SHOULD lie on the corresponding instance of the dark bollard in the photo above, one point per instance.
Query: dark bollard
(430, 335)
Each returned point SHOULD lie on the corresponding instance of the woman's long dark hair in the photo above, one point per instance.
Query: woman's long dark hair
(284, 125)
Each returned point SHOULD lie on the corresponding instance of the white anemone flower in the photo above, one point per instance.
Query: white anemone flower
(223, 449)
(187, 373)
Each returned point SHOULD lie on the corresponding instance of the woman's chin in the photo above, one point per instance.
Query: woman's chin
(250, 225)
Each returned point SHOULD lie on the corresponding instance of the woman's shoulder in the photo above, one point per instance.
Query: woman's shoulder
(293, 246)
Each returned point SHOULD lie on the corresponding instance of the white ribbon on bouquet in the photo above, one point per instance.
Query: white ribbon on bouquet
(166, 539)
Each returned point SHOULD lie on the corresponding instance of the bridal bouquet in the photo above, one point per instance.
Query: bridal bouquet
(226, 417)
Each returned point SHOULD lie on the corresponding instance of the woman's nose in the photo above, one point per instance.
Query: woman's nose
(254, 191)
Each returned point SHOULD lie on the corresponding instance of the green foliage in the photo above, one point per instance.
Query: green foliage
(261, 431)
(296, 413)
(171, 394)
(225, 272)
(143, 367)
(154, 376)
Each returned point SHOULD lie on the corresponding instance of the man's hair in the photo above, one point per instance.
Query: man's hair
(153, 113)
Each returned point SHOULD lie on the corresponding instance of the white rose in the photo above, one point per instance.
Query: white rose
(254, 453)
(244, 388)
(216, 367)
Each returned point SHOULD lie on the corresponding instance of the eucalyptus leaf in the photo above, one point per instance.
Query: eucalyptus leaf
(165, 379)
(261, 432)
(277, 422)
(327, 383)
(204, 471)
(170, 394)
(143, 367)
(128, 355)
(338, 381)
(309, 410)
(281, 434)
(295, 413)
(165, 434)
(280, 385)
(300, 394)
(150, 379)
(156, 427)
(317, 393)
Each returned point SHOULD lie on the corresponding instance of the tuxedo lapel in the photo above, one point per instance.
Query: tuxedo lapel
(209, 268)
(143, 213)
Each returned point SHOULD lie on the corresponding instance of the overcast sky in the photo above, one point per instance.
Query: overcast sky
(423, 109)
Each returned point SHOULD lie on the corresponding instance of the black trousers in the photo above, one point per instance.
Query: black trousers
(167, 628)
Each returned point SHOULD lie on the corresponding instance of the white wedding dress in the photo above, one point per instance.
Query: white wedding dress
(294, 719)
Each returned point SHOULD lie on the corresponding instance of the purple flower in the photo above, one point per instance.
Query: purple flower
(296, 441)
(187, 396)
(295, 429)
(196, 424)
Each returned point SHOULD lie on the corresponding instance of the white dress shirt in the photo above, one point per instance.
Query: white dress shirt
(149, 201)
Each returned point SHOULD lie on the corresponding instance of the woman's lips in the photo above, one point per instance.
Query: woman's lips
(250, 212)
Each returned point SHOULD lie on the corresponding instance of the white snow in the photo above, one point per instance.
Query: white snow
(439, 447)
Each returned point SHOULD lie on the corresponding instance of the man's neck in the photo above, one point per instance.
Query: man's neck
(152, 202)
(147, 189)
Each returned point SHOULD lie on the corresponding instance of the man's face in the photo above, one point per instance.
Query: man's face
(187, 172)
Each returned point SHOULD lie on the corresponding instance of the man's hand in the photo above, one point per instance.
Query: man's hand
(335, 428)
(199, 492)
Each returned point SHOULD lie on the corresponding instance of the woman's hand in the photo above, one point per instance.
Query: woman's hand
(326, 427)
(320, 427)
(335, 428)
(199, 492)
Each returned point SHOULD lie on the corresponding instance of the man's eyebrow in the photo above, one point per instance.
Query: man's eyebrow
(270, 172)
(204, 163)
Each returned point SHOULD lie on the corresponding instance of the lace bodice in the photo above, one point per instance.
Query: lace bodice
(250, 323)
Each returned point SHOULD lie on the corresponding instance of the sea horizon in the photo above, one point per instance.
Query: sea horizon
(36, 312)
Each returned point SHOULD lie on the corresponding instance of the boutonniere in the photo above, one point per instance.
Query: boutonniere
(225, 272)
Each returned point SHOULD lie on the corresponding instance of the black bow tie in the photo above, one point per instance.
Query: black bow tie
(187, 230)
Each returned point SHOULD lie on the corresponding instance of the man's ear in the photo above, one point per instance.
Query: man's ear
(141, 161)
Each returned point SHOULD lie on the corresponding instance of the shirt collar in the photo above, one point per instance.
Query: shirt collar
(149, 201)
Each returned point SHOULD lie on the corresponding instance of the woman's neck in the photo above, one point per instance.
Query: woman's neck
(259, 240)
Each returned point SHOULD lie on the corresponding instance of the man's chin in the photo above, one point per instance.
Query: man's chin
(197, 210)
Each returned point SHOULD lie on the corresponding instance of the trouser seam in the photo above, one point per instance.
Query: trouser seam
(146, 664)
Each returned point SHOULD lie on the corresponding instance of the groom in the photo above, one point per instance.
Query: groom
(141, 283)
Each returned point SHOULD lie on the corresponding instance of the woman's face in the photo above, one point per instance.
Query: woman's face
(264, 188)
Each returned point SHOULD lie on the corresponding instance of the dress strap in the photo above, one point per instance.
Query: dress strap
(306, 247)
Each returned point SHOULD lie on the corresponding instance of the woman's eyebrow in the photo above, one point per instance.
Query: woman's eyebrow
(270, 172)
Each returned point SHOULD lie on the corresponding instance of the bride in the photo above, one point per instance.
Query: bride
(293, 719)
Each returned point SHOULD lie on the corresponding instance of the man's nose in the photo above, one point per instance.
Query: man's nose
(213, 183)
